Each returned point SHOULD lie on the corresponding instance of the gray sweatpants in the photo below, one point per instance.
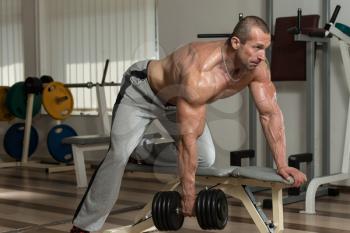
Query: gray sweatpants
(135, 108)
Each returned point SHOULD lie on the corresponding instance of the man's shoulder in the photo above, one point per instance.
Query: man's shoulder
(262, 73)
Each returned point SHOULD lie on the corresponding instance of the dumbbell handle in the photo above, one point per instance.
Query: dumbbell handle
(178, 210)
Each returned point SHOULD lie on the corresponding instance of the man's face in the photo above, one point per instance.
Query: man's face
(252, 52)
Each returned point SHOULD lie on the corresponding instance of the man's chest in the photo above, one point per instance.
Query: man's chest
(226, 86)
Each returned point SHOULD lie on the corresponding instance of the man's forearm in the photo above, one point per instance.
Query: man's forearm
(187, 160)
(273, 127)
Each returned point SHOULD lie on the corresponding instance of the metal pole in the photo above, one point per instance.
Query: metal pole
(269, 21)
(90, 84)
(310, 105)
(27, 128)
(326, 152)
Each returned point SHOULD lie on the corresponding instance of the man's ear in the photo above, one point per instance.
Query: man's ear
(235, 42)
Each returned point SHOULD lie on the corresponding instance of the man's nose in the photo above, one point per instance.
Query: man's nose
(262, 55)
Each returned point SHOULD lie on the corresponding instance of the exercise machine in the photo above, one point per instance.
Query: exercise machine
(342, 33)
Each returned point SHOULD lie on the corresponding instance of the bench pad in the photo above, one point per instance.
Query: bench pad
(259, 173)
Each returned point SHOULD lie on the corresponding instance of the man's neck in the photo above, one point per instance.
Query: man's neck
(234, 66)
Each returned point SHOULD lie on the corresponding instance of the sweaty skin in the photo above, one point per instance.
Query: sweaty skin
(202, 72)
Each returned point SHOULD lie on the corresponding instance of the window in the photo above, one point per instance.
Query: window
(11, 42)
(77, 36)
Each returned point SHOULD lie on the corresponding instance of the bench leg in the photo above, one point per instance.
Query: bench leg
(277, 209)
(79, 166)
(239, 193)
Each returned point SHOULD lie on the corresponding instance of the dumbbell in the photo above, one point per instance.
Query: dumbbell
(210, 207)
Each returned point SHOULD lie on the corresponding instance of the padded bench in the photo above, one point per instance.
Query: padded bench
(81, 144)
(234, 181)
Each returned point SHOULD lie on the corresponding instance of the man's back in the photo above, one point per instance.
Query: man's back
(196, 72)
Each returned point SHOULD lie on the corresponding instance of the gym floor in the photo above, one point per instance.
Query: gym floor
(34, 202)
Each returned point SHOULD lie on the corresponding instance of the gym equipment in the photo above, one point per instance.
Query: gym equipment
(91, 84)
(210, 207)
(57, 100)
(60, 152)
(310, 37)
(5, 114)
(33, 85)
(13, 141)
(16, 101)
(233, 181)
(340, 32)
(166, 211)
(237, 156)
(45, 79)
(23, 98)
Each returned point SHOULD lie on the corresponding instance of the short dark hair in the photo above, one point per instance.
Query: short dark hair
(242, 28)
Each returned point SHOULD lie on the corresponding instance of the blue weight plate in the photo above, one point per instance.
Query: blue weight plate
(13, 141)
(59, 151)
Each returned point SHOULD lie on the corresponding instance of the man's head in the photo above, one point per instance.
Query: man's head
(250, 38)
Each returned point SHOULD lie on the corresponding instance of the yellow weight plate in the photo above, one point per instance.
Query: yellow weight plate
(5, 114)
(57, 100)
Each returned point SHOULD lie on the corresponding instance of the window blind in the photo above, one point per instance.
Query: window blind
(11, 42)
(77, 36)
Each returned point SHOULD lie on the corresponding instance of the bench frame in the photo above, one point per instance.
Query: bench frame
(232, 186)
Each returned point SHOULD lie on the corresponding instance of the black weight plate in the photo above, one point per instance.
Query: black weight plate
(214, 206)
(208, 211)
(175, 218)
(155, 214)
(163, 210)
(159, 212)
(166, 210)
(204, 210)
(199, 210)
(222, 210)
(33, 85)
